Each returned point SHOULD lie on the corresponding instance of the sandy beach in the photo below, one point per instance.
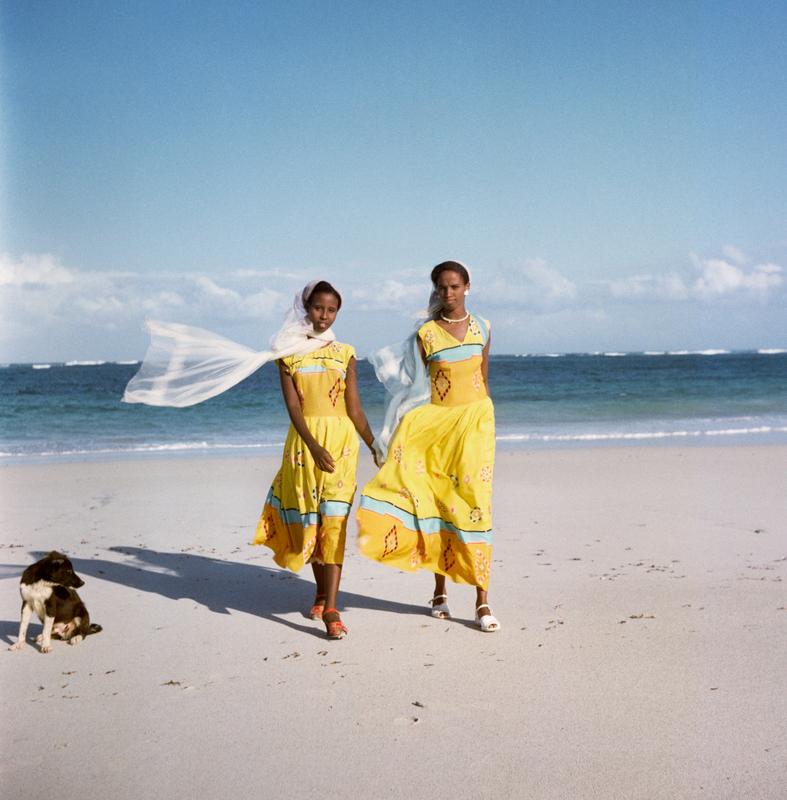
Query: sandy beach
(642, 593)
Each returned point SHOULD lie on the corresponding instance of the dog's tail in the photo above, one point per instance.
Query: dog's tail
(94, 628)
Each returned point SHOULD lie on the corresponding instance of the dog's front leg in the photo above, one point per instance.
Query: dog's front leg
(27, 612)
(46, 636)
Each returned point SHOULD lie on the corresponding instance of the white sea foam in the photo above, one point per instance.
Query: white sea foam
(41, 366)
(654, 353)
(172, 447)
(709, 352)
(744, 431)
(85, 363)
(130, 361)
(636, 436)
(771, 351)
(614, 354)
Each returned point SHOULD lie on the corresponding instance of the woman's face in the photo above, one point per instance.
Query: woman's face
(322, 310)
(451, 290)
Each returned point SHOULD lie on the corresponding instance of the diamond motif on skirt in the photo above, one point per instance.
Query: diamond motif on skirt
(442, 383)
(334, 391)
(391, 542)
(449, 559)
(270, 527)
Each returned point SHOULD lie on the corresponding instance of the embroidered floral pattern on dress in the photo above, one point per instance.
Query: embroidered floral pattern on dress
(473, 327)
(420, 469)
(478, 380)
(308, 548)
(486, 474)
(397, 454)
(418, 556)
(482, 567)
(475, 514)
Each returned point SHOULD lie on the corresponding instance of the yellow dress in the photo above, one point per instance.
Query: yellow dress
(430, 506)
(305, 513)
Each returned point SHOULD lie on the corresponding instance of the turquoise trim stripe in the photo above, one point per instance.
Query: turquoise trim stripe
(320, 368)
(328, 508)
(427, 525)
(334, 508)
(461, 352)
(312, 368)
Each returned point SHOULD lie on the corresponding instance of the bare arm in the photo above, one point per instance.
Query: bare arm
(354, 407)
(321, 456)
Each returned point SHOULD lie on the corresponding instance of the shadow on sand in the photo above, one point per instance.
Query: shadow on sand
(223, 585)
(217, 584)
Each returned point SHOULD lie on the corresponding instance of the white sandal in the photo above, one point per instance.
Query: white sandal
(440, 610)
(487, 622)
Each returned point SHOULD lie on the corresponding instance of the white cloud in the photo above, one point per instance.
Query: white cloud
(42, 299)
(719, 277)
(533, 285)
(669, 287)
(33, 271)
(735, 254)
(48, 310)
(391, 293)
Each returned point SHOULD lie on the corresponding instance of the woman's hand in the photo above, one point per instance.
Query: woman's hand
(322, 458)
(379, 453)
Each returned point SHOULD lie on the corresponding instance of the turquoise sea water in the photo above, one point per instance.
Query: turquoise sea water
(66, 411)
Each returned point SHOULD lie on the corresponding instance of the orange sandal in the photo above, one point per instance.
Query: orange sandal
(318, 609)
(335, 629)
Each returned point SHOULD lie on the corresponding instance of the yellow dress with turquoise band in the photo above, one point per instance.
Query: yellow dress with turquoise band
(430, 506)
(305, 514)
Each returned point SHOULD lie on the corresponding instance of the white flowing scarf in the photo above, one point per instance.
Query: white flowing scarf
(185, 365)
(401, 369)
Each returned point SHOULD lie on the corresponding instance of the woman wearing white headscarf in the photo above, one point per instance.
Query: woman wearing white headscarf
(430, 506)
(304, 519)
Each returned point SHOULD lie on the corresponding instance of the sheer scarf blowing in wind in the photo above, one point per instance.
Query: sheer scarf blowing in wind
(185, 365)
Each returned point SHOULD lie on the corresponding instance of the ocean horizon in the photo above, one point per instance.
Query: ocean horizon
(52, 411)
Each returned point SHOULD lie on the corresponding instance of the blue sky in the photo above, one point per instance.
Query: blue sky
(614, 173)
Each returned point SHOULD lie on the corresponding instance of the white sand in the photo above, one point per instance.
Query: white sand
(643, 651)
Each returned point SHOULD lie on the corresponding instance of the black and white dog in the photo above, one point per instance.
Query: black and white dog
(47, 589)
